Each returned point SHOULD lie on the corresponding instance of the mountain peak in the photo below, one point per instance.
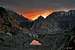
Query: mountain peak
(39, 18)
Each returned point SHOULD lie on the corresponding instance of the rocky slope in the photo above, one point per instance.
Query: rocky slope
(58, 28)
(54, 32)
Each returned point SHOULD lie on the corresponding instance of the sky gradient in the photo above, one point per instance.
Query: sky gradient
(30, 4)
(25, 6)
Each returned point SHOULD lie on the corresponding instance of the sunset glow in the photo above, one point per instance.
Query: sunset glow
(47, 12)
(34, 14)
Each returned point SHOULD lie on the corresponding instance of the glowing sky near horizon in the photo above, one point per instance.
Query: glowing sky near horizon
(31, 8)
(34, 14)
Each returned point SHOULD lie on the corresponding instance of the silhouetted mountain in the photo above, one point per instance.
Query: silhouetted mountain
(4, 19)
(60, 25)
(60, 21)
(24, 22)
(12, 19)
(12, 25)
(37, 23)
(54, 31)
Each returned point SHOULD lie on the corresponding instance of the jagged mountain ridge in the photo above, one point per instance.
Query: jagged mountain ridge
(16, 20)
(60, 24)
(54, 27)
(65, 20)
(13, 21)
(28, 23)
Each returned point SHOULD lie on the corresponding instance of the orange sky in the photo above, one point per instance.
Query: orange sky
(35, 13)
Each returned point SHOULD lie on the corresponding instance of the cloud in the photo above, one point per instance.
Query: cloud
(37, 4)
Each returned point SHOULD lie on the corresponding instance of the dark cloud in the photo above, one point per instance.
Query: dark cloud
(31, 4)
